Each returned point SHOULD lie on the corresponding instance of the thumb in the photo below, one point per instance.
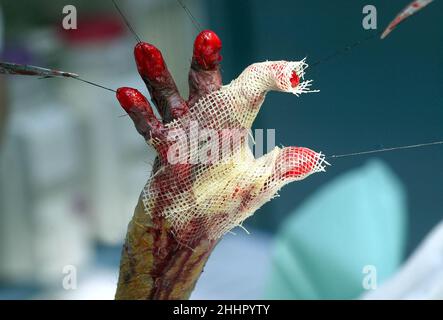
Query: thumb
(297, 163)
(289, 164)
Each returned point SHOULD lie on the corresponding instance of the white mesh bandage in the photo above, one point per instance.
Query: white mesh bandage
(209, 180)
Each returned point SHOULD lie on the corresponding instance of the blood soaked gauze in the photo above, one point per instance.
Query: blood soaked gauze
(208, 181)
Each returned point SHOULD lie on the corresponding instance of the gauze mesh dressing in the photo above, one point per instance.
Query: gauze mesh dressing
(208, 181)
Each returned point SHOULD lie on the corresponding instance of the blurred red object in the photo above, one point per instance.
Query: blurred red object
(97, 29)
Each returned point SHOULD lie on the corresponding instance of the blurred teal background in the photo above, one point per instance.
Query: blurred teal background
(72, 168)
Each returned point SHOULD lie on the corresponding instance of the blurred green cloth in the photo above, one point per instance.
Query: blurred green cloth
(358, 219)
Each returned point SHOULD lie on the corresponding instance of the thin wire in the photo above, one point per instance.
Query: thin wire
(342, 51)
(384, 150)
(126, 21)
(82, 80)
(93, 83)
(191, 16)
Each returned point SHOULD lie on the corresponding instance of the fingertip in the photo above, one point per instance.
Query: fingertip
(207, 48)
(130, 98)
(300, 161)
(149, 60)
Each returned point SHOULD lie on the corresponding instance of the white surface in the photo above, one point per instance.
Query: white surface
(421, 277)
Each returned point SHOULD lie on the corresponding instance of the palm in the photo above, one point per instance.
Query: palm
(207, 180)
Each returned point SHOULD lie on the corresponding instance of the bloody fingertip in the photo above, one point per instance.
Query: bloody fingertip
(130, 98)
(149, 60)
(207, 48)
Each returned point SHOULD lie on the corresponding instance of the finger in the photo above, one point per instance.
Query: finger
(257, 80)
(269, 173)
(296, 163)
(140, 111)
(161, 86)
(205, 76)
(287, 165)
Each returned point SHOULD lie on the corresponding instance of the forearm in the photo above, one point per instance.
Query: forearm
(154, 265)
